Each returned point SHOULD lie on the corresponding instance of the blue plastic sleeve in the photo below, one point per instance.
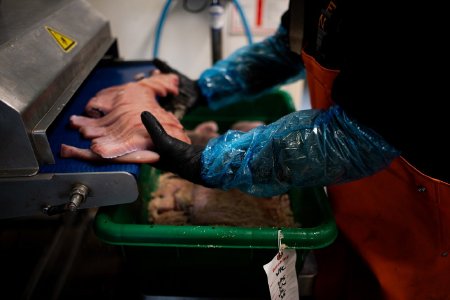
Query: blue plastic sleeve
(304, 148)
(251, 71)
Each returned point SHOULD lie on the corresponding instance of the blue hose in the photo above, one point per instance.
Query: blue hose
(248, 32)
(163, 16)
(161, 21)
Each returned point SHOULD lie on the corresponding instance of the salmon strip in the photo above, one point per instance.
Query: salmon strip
(109, 98)
(114, 125)
(142, 156)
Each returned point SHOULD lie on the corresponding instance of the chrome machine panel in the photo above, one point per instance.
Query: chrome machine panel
(48, 49)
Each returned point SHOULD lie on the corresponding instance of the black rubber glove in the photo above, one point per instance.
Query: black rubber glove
(189, 95)
(175, 156)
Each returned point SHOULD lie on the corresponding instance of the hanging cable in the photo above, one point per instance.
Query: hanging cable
(161, 21)
(247, 30)
(163, 16)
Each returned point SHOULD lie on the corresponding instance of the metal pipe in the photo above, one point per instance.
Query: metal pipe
(76, 237)
(43, 262)
(216, 12)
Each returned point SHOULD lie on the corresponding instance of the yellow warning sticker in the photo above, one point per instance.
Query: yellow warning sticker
(66, 43)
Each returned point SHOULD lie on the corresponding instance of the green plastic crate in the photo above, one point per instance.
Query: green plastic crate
(209, 248)
(267, 108)
(121, 225)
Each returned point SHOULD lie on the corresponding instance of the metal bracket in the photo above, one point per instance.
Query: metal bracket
(77, 196)
(57, 193)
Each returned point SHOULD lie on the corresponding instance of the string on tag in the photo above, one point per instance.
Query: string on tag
(281, 246)
(281, 273)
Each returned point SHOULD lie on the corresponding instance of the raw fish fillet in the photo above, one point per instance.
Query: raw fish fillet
(145, 156)
(115, 126)
(107, 99)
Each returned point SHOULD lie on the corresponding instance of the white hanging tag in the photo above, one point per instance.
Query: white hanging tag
(281, 273)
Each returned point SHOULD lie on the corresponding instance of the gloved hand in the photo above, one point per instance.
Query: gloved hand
(189, 95)
(175, 156)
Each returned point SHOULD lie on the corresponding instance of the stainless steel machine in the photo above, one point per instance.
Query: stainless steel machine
(48, 49)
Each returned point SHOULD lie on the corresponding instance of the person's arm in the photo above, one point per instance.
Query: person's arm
(245, 74)
(251, 70)
(304, 148)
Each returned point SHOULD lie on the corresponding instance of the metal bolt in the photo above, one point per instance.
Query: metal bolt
(444, 254)
(46, 209)
(77, 196)
(421, 189)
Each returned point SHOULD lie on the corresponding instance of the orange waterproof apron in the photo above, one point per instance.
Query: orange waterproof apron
(397, 221)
